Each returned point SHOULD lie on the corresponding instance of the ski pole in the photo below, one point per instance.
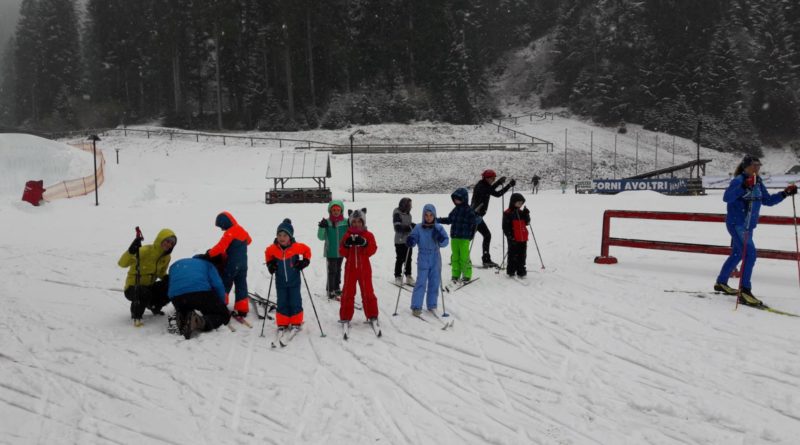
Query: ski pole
(400, 287)
(744, 250)
(321, 332)
(503, 264)
(441, 286)
(266, 308)
(502, 209)
(796, 242)
(533, 235)
(138, 295)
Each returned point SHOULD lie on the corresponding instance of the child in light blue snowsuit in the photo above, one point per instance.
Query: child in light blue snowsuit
(430, 236)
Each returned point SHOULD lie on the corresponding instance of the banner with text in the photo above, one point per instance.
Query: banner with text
(667, 186)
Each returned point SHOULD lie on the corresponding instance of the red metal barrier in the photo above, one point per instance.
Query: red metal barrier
(608, 241)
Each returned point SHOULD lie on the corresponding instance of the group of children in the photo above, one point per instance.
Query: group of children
(203, 282)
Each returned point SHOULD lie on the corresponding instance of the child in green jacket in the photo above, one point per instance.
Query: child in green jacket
(332, 230)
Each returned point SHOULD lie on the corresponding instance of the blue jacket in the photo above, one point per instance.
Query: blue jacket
(463, 219)
(739, 198)
(428, 252)
(194, 275)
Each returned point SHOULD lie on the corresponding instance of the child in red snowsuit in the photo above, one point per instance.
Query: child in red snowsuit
(358, 244)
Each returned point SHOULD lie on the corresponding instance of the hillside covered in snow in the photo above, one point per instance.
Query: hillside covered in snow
(577, 353)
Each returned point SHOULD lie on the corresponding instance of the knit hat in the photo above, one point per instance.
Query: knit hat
(488, 173)
(358, 214)
(286, 226)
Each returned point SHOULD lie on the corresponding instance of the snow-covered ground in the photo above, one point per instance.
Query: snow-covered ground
(24, 157)
(577, 353)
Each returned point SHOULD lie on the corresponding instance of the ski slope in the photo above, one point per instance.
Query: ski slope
(577, 353)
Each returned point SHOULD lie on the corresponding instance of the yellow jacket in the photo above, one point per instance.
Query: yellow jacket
(153, 261)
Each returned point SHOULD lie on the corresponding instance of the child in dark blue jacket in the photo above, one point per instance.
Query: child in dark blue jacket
(463, 221)
(745, 195)
(430, 237)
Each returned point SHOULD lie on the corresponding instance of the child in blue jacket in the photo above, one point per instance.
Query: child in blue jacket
(430, 237)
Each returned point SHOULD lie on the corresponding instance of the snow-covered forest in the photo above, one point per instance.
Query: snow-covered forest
(287, 65)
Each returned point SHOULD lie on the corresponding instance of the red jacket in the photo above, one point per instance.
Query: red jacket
(358, 257)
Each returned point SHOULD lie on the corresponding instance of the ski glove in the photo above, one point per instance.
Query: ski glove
(525, 212)
(437, 236)
(749, 182)
(790, 190)
(500, 180)
(512, 183)
(301, 264)
(135, 245)
(323, 223)
(272, 267)
(355, 240)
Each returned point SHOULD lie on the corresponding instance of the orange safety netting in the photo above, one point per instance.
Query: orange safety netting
(81, 186)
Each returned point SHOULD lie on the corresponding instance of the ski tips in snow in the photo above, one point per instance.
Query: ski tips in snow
(241, 319)
(285, 334)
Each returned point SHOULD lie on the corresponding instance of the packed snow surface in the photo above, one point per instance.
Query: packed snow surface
(577, 353)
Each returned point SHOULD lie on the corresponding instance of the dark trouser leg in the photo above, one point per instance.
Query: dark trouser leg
(483, 229)
(139, 300)
(329, 286)
(511, 260)
(242, 303)
(334, 275)
(338, 273)
(400, 256)
(214, 311)
(522, 257)
(159, 298)
(408, 261)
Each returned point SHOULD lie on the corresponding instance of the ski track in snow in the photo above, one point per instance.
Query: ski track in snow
(573, 354)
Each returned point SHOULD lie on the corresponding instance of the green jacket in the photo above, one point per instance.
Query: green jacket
(153, 261)
(332, 235)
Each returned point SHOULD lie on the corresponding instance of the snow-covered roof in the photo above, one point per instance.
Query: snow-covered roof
(290, 165)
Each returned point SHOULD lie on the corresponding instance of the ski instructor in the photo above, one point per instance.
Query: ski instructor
(484, 189)
(745, 195)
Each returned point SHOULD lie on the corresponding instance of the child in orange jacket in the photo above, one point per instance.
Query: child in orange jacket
(285, 259)
(232, 247)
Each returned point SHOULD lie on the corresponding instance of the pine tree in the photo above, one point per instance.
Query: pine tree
(8, 79)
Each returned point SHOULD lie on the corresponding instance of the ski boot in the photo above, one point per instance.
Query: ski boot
(725, 289)
(746, 297)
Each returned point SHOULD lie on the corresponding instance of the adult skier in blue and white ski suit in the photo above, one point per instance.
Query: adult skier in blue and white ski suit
(745, 195)
(430, 236)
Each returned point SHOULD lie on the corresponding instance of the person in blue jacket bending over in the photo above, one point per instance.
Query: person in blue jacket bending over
(197, 285)
(745, 195)
(430, 237)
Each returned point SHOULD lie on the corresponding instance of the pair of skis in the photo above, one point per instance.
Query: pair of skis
(459, 285)
(705, 294)
(445, 324)
(284, 335)
(373, 323)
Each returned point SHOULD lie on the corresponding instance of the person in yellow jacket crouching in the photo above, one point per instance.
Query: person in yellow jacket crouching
(147, 280)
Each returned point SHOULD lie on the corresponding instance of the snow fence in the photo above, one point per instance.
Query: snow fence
(80, 186)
